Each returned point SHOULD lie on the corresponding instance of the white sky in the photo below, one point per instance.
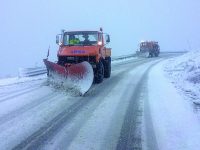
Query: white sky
(29, 27)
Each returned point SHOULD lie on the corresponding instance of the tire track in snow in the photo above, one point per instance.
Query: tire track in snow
(18, 94)
(47, 132)
(130, 136)
(10, 91)
(40, 137)
(151, 141)
(22, 82)
(13, 114)
(86, 112)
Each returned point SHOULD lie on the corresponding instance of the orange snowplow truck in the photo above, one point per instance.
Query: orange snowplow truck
(150, 47)
(76, 47)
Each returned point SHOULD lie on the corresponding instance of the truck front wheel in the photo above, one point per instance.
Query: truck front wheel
(107, 67)
(99, 72)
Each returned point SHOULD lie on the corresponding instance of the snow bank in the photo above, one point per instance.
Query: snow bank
(185, 74)
(175, 125)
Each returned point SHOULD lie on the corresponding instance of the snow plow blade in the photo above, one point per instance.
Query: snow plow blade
(142, 54)
(76, 76)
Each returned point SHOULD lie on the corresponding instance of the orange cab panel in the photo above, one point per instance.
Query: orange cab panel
(78, 51)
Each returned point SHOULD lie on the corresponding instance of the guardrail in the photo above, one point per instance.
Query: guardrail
(123, 57)
(28, 72)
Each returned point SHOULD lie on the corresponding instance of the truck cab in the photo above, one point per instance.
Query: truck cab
(78, 46)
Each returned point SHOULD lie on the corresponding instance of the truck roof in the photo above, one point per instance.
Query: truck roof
(82, 31)
(148, 42)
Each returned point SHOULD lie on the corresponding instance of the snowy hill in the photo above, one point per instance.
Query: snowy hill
(184, 72)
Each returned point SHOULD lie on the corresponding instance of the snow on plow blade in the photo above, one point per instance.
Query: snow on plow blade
(77, 76)
(142, 54)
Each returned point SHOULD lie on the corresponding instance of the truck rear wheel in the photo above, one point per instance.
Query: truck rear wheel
(99, 73)
(151, 55)
(107, 67)
(156, 54)
(47, 72)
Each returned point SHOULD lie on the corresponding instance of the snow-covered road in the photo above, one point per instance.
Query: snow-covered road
(126, 111)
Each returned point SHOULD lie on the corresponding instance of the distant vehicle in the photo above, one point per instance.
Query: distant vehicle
(149, 48)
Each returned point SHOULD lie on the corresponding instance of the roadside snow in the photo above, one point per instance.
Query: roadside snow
(175, 124)
(16, 80)
(184, 72)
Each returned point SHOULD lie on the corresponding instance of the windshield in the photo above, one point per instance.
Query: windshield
(80, 38)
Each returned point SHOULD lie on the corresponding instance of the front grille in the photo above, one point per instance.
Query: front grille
(62, 60)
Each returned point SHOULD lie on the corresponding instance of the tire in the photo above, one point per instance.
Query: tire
(48, 73)
(150, 55)
(107, 67)
(156, 53)
(99, 72)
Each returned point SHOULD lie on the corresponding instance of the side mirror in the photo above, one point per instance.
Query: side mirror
(107, 38)
(58, 39)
